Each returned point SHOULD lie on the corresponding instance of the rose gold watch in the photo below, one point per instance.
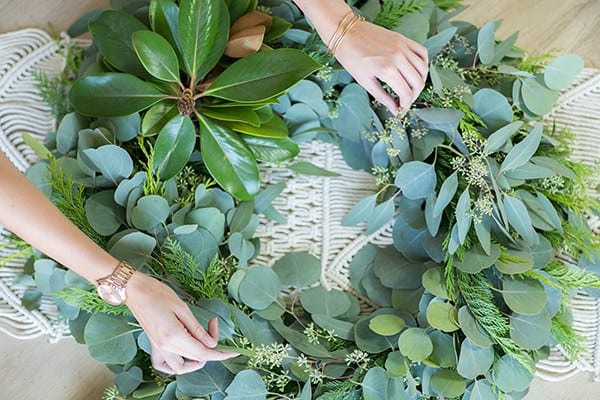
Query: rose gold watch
(112, 288)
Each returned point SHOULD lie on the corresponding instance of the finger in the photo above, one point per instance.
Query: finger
(196, 330)
(414, 80)
(159, 363)
(181, 366)
(213, 328)
(396, 81)
(373, 86)
(190, 348)
(421, 67)
(420, 51)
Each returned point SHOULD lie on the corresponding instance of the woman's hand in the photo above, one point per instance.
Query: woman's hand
(372, 54)
(179, 343)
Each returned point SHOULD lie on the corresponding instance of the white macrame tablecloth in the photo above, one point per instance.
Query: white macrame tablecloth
(314, 207)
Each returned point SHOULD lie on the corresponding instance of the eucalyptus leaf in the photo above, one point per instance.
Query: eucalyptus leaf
(380, 216)
(510, 376)
(415, 344)
(562, 71)
(112, 161)
(446, 194)
(519, 219)
(524, 150)
(474, 360)
(416, 179)
(110, 339)
(298, 269)
(375, 384)
(318, 300)
(531, 331)
(486, 43)
(524, 296)
(260, 288)
(447, 383)
(360, 211)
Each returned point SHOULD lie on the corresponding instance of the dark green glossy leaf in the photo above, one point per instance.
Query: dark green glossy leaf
(228, 159)
(164, 19)
(274, 128)
(112, 32)
(246, 115)
(174, 146)
(198, 30)
(271, 150)
(113, 95)
(262, 75)
(156, 55)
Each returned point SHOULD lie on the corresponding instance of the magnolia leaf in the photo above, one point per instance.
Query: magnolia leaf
(308, 168)
(157, 116)
(499, 139)
(156, 55)
(228, 159)
(271, 149)
(537, 97)
(416, 179)
(493, 108)
(562, 71)
(246, 42)
(331, 303)
(446, 194)
(215, 52)
(380, 216)
(415, 344)
(360, 211)
(274, 128)
(522, 152)
(524, 296)
(245, 115)
(387, 325)
(474, 360)
(112, 161)
(375, 384)
(113, 95)
(260, 288)
(174, 146)
(212, 378)
(164, 19)
(518, 218)
(510, 376)
(448, 384)
(531, 331)
(112, 32)
(110, 339)
(298, 269)
(198, 28)
(262, 76)
(486, 43)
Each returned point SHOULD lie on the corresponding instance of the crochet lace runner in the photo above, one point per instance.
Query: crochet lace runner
(313, 206)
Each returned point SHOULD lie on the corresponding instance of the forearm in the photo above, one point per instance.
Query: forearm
(26, 212)
(325, 15)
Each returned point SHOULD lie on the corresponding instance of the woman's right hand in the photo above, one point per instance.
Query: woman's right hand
(179, 343)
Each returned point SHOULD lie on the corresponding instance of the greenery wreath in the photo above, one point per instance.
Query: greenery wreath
(486, 203)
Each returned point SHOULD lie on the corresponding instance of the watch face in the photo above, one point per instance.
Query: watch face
(111, 294)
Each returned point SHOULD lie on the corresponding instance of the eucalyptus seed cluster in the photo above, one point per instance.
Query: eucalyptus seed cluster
(359, 358)
(315, 334)
(270, 356)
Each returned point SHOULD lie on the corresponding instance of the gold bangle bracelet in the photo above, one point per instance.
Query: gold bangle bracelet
(339, 28)
(347, 29)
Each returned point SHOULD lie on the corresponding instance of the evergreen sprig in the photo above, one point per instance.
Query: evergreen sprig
(477, 294)
(90, 302)
(392, 11)
(70, 198)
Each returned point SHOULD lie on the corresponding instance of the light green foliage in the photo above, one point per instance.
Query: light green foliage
(54, 89)
(392, 11)
(16, 250)
(90, 302)
(199, 284)
(70, 199)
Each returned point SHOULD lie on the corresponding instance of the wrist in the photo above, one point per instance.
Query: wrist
(325, 16)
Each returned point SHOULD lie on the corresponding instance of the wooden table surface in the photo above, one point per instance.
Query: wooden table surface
(35, 370)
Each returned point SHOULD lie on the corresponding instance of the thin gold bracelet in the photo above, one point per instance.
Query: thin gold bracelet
(339, 28)
(347, 29)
